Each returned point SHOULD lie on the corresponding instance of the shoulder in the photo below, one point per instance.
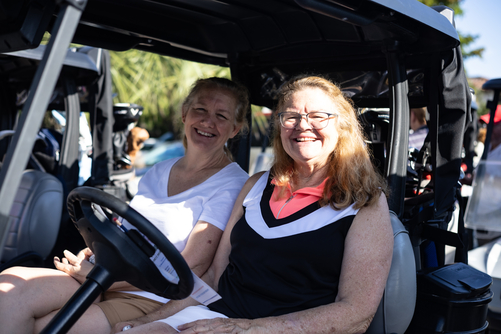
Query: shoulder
(235, 171)
(250, 183)
(375, 215)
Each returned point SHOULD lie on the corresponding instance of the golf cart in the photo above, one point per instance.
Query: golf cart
(64, 150)
(385, 54)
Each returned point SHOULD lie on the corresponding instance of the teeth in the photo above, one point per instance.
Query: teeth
(305, 139)
(205, 133)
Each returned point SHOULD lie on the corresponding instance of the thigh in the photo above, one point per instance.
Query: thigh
(92, 321)
(41, 289)
(120, 307)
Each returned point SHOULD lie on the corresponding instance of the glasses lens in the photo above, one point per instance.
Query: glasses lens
(289, 120)
(318, 120)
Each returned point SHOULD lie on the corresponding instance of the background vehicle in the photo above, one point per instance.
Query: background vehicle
(483, 218)
(384, 54)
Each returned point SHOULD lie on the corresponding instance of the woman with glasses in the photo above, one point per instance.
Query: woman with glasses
(308, 246)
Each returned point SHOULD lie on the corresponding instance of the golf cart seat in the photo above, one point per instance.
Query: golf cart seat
(35, 218)
(396, 309)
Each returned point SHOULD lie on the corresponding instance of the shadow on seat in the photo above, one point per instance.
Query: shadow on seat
(35, 218)
(396, 309)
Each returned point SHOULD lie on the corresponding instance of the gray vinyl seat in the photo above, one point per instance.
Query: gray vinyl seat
(35, 216)
(396, 309)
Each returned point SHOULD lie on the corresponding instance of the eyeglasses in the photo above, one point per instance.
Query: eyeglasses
(317, 119)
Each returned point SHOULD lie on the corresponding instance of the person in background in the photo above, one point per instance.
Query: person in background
(309, 243)
(189, 199)
(494, 147)
(137, 136)
(419, 128)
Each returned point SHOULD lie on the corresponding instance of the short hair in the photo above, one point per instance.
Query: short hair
(239, 91)
(351, 175)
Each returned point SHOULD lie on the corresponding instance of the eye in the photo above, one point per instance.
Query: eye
(222, 116)
(316, 116)
(200, 110)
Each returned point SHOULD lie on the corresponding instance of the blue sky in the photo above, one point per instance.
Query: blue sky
(481, 17)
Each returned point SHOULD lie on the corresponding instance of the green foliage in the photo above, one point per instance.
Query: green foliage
(157, 83)
(465, 39)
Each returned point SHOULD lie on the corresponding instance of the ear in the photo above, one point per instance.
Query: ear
(236, 130)
(184, 111)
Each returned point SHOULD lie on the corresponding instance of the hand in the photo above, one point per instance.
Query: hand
(133, 323)
(77, 266)
(221, 325)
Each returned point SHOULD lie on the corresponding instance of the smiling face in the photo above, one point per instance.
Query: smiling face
(209, 120)
(305, 145)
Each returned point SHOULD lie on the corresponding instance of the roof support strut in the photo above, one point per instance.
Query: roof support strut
(399, 118)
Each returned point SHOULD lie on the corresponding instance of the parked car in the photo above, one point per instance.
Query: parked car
(151, 143)
(383, 53)
(160, 152)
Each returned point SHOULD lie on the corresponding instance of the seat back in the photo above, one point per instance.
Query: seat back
(396, 309)
(35, 216)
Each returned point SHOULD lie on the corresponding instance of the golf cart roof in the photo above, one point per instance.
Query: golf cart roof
(20, 66)
(264, 39)
(264, 31)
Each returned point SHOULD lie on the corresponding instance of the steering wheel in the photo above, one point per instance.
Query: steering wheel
(120, 254)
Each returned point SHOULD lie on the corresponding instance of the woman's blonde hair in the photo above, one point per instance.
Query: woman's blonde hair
(239, 92)
(351, 175)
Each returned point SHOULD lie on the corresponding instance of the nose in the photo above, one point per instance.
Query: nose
(208, 119)
(303, 123)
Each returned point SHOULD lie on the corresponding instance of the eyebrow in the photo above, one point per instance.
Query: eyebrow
(203, 104)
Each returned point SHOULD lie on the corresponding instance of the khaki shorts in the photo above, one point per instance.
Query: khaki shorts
(119, 306)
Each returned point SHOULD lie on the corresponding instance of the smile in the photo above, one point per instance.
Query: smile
(305, 139)
(205, 133)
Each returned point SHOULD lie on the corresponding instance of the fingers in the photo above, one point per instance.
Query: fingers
(216, 325)
(120, 327)
(71, 257)
(85, 253)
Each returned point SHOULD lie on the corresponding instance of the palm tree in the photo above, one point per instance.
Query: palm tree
(157, 83)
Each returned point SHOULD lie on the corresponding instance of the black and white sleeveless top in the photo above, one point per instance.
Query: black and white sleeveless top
(279, 266)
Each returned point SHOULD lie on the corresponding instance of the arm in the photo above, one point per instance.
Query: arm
(366, 264)
(211, 275)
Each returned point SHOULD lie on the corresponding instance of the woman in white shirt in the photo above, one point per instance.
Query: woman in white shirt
(189, 199)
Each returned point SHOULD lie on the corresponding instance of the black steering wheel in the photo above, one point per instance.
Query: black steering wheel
(120, 254)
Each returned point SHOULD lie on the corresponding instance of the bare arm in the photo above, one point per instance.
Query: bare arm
(366, 264)
(211, 275)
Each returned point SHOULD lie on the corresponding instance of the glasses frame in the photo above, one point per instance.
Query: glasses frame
(326, 121)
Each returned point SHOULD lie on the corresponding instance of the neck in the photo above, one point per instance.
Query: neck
(194, 161)
(308, 175)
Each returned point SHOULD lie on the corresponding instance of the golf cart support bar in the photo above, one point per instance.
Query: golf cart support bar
(33, 112)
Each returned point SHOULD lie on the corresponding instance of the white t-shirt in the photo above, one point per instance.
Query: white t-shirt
(175, 216)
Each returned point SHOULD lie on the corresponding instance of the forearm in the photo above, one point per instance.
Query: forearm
(332, 318)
